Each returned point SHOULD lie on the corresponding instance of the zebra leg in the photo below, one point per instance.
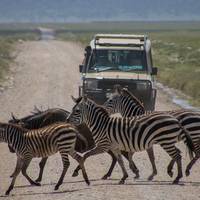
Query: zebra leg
(66, 164)
(193, 161)
(179, 167)
(18, 160)
(132, 165)
(121, 163)
(189, 166)
(94, 151)
(41, 165)
(24, 168)
(17, 171)
(114, 160)
(150, 153)
(80, 160)
(176, 157)
(170, 167)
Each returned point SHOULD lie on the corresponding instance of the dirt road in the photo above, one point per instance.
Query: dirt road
(46, 74)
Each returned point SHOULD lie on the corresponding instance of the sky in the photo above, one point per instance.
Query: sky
(98, 10)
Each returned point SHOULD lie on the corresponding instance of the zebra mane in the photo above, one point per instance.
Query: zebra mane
(36, 110)
(100, 107)
(15, 126)
(127, 93)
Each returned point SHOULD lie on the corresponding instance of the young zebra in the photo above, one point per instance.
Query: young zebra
(125, 103)
(130, 135)
(39, 119)
(58, 137)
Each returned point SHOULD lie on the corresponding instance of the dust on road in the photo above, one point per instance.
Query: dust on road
(45, 75)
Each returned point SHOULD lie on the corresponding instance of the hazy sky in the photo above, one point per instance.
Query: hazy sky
(91, 10)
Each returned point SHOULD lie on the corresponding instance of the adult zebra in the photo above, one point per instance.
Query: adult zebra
(58, 137)
(125, 103)
(39, 119)
(130, 135)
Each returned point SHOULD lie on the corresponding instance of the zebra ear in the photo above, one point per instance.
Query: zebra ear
(13, 117)
(76, 100)
(124, 90)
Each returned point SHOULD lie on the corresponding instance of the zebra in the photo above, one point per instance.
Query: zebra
(39, 119)
(130, 135)
(58, 137)
(42, 118)
(124, 102)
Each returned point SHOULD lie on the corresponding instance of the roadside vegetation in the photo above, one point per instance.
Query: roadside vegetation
(9, 36)
(176, 49)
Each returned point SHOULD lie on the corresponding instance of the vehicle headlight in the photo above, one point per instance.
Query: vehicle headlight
(142, 86)
(91, 84)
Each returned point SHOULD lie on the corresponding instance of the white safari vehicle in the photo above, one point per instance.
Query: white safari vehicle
(112, 59)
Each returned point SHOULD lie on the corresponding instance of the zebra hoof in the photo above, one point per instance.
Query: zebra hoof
(105, 177)
(121, 182)
(187, 172)
(137, 176)
(35, 183)
(7, 193)
(56, 187)
(88, 182)
(150, 178)
(170, 173)
(176, 181)
(75, 174)
(38, 180)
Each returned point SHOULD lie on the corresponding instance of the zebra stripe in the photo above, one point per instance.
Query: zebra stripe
(58, 137)
(126, 104)
(137, 134)
(39, 119)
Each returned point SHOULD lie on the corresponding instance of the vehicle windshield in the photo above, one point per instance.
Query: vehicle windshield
(117, 60)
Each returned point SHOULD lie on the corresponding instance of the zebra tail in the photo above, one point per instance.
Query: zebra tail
(188, 141)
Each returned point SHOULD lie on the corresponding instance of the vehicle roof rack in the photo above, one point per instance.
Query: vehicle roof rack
(120, 40)
(121, 36)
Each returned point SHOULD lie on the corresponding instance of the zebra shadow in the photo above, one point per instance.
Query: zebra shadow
(45, 193)
(150, 183)
(54, 183)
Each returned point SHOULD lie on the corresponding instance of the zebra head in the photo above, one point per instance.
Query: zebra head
(124, 102)
(85, 111)
(112, 104)
(75, 117)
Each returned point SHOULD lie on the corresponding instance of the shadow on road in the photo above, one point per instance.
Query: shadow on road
(45, 193)
(96, 184)
(152, 183)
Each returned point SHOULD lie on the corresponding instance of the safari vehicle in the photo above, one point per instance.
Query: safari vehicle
(123, 59)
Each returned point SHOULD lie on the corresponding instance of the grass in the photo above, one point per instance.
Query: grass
(9, 36)
(175, 45)
(176, 49)
(177, 55)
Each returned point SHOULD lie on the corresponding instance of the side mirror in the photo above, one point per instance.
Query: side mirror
(80, 68)
(154, 71)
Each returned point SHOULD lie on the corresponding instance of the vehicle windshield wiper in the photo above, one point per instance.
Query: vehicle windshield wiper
(101, 69)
